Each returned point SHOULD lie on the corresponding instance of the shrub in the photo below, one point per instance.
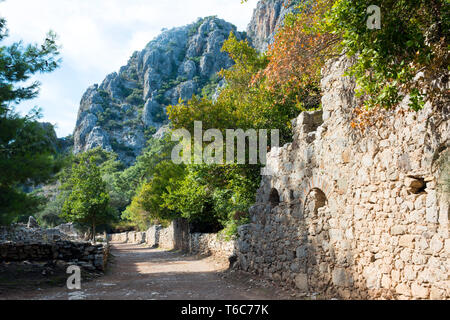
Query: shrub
(135, 97)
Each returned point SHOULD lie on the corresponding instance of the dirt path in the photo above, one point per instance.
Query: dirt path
(140, 273)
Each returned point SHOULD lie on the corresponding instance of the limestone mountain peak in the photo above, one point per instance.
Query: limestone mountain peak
(128, 107)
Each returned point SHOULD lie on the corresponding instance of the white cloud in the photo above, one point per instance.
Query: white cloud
(98, 36)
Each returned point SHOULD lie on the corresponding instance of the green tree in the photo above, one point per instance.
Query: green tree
(148, 204)
(128, 181)
(27, 154)
(214, 196)
(191, 198)
(49, 216)
(88, 202)
(220, 195)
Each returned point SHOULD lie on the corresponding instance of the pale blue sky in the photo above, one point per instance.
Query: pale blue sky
(98, 37)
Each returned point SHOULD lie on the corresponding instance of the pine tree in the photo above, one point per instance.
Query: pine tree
(27, 153)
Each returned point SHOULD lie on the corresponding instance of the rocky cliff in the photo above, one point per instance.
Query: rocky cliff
(267, 17)
(128, 107)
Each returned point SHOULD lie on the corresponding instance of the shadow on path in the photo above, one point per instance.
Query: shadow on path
(140, 273)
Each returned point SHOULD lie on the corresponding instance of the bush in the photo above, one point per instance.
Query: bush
(135, 98)
(49, 216)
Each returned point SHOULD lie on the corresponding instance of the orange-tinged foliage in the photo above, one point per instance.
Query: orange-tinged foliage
(300, 50)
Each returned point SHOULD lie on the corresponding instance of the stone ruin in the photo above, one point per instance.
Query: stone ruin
(30, 242)
(350, 214)
(84, 254)
(33, 232)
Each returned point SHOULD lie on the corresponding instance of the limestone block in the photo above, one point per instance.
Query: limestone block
(301, 282)
(436, 244)
(340, 278)
(418, 291)
(403, 289)
(406, 241)
(398, 230)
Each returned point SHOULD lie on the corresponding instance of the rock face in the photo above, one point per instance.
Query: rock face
(267, 17)
(60, 145)
(128, 107)
(357, 215)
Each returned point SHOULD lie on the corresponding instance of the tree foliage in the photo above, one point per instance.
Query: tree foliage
(300, 49)
(27, 154)
(242, 103)
(148, 204)
(413, 38)
(408, 55)
(88, 202)
(49, 215)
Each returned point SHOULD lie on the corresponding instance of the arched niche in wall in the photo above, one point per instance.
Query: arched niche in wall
(274, 197)
(315, 200)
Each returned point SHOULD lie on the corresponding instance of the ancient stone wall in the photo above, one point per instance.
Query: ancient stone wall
(167, 237)
(353, 214)
(153, 236)
(21, 232)
(211, 244)
(84, 254)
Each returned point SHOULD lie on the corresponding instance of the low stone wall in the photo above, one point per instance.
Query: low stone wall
(20, 232)
(85, 254)
(167, 238)
(153, 235)
(128, 237)
(118, 237)
(211, 244)
(136, 237)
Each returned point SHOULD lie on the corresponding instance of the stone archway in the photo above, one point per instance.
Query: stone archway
(327, 260)
(319, 253)
(315, 200)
